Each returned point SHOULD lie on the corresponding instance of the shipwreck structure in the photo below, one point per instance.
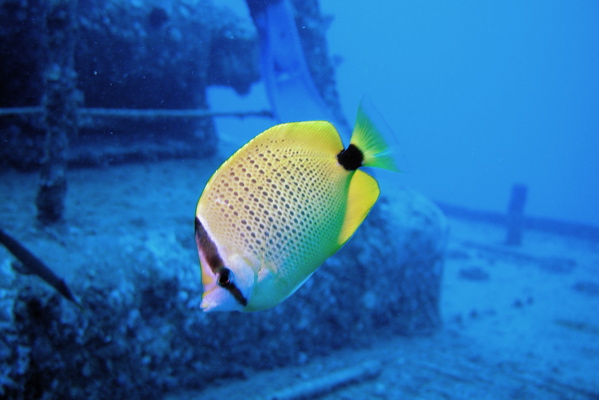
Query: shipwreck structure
(94, 83)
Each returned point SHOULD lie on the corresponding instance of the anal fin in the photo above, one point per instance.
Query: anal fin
(363, 193)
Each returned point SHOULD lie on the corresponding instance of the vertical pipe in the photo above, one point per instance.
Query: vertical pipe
(515, 215)
(60, 107)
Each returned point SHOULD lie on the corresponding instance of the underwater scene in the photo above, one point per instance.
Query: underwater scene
(299, 199)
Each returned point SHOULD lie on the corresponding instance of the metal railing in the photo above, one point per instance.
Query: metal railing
(142, 113)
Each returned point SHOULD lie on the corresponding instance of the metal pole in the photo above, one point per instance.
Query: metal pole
(515, 215)
(59, 103)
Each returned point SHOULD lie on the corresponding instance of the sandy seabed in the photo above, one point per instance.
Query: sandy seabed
(519, 322)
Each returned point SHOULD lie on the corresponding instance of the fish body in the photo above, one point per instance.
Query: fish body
(280, 206)
(34, 265)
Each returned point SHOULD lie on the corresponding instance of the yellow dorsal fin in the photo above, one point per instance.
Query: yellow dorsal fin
(362, 194)
(320, 136)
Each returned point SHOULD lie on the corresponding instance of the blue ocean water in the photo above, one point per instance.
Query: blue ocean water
(495, 93)
(498, 93)
(425, 301)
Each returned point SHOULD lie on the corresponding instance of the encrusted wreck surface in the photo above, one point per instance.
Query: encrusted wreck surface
(136, 273)
(126, 245)
(128, 55)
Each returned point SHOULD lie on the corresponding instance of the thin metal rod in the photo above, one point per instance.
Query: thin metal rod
(20, 111)
(141, 113)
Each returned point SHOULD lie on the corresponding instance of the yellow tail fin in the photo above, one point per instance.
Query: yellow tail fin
(372, 140)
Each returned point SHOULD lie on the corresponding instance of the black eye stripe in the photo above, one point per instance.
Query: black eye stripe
(215, 262)
(234, 290)
(208, 248)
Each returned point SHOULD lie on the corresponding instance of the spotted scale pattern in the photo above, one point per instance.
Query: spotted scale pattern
(280, 199)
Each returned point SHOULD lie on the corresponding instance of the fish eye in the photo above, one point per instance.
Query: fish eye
(224, 277)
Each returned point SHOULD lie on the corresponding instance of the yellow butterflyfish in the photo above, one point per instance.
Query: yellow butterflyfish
(280, 206)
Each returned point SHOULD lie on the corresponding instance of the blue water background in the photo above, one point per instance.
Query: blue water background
(481, 95)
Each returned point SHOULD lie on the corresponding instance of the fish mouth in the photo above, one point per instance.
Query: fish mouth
(216, 298)
(206, 305)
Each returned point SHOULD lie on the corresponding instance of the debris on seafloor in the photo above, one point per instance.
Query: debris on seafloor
(587, 288)
(578, 326)
(322, 385)
(474, 274)
(558, 265)
(36, 266)
(551, 264)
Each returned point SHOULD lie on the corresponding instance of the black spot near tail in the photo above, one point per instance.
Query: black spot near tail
(351, 158)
